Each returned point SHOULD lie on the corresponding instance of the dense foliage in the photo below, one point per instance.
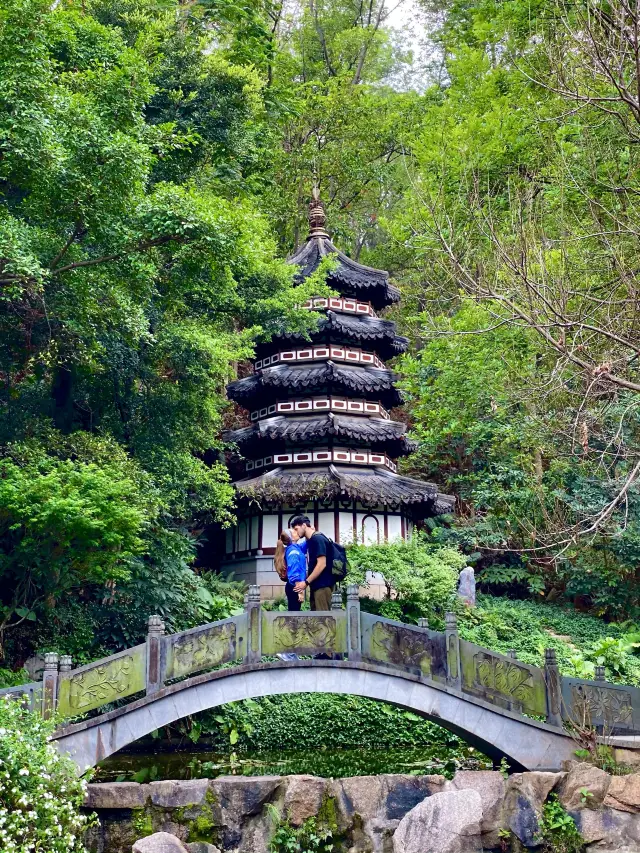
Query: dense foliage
(155, 166)
(421, 578)
(40, 793)
(136, 270)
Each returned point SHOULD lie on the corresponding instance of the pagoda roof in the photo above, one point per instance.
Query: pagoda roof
(363, 381)
(364, 330)
(349, 278)
(371, 486)
(309, 429)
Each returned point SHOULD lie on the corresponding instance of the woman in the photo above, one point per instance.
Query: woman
(291, 565)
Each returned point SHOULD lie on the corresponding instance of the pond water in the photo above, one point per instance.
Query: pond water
(191, 764)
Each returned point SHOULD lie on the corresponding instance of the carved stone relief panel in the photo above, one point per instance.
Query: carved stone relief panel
(601, 706)
(501, 680)
(105, 682)
(400, 646)
(305, 634)
(201, 650)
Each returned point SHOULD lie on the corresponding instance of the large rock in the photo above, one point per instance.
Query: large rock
(201, 847)
(369, 808)
(447, 822)
(608, 830)
(526, 793)
(303, 798)
(584, 786)
(491, 786)
(359, 795)
(624, 793)
(177, 794)
(242, 800)
(116, 795)
(467, 586)
(402, 792)
(159, 842)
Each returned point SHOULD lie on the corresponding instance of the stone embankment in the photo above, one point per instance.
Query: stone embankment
(477, 810)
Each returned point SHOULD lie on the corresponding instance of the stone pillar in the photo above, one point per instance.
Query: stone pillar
(553, 683)
(155, 632)
(512, 654)
(452, 643)
(336, 600)
(354, 638)
(422, 622)
(467, 587)
(254, 627)
(66, 662)
(600, 674)
(49, 684)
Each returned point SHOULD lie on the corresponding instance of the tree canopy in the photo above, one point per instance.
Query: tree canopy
(156, 162)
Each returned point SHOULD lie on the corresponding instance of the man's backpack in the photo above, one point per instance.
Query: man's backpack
(340, 565)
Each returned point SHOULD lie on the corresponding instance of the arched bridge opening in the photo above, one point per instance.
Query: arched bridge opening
(496, 732)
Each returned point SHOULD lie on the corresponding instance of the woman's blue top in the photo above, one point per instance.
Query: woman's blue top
(296, 560)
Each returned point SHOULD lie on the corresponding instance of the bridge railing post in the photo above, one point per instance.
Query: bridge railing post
(452, 644)
(336, 599)
(155, 632)
(553, 683)
(254, 626)
(354, 636)
(50, 684)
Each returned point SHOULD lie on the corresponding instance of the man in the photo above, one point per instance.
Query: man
(320, 554)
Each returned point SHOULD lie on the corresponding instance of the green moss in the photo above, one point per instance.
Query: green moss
(141, 822)
(327, 815)
(204, 826)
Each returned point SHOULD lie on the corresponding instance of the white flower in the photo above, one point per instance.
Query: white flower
(24, 771)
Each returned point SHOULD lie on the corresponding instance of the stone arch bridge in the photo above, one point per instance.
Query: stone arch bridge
(503, 706)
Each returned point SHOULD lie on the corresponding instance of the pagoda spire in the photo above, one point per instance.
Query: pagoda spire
(317, 215)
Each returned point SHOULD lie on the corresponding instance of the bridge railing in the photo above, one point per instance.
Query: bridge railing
(442, 658)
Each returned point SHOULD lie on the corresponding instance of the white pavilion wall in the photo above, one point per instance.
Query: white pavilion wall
(249, 547)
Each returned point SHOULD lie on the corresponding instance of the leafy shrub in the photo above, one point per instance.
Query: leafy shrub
(421, 576)
(9, 678)
(327, 720)
(40, 795)
(63, 524)
(558, 830)
(581, 641)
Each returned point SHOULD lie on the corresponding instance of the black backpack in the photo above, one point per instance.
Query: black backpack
(340, 566)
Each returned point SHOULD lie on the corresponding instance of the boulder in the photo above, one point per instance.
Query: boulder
(447, 822)
(581, 780)
(177, 794)
(303, 798)
(201, 847)
(607, 829)
(402, 792)
(115, 795)
(246, 827)
(624, 793)
(240, 796)
(525, 796)
(159, 842)
(491, 785)
(467, 586)
(359, 795)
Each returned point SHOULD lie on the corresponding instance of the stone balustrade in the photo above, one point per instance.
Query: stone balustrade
(439, 658)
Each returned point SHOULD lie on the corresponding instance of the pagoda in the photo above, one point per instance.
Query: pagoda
(322, 440)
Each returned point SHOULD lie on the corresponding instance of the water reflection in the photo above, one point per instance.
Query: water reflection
(336, 763)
